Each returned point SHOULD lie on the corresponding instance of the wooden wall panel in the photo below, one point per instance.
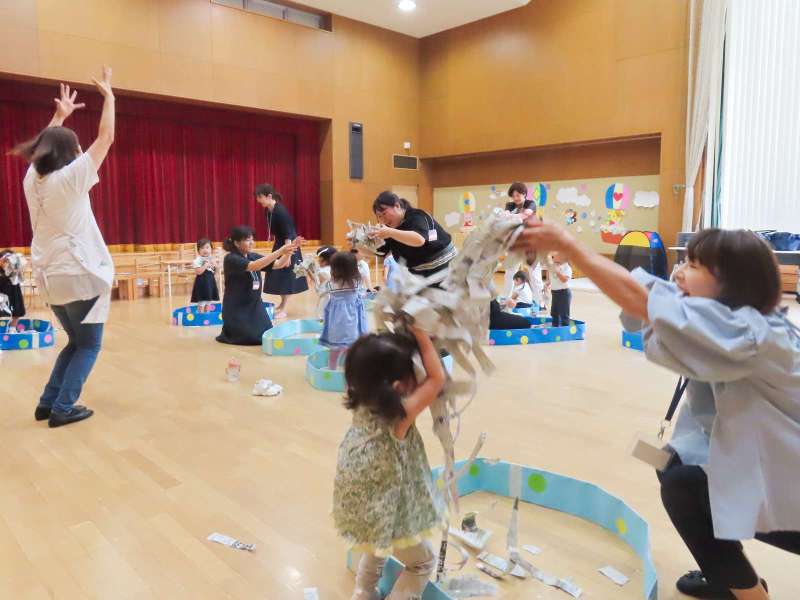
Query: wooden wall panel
(559, 72)
(624, 158)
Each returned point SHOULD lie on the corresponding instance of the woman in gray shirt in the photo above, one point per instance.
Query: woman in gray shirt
(736, 446)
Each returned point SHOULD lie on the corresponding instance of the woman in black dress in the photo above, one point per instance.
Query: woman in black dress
(244, 318)
(280, 281)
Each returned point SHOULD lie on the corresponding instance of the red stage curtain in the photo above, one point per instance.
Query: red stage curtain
(176, 172)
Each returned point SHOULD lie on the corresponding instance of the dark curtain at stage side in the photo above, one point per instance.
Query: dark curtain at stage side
(176, 172)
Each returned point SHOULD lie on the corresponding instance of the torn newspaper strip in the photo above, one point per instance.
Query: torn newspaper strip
(227, 540)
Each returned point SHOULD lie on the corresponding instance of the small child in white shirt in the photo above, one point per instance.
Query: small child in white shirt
(562, 295)
(521, 294)
(363, 269)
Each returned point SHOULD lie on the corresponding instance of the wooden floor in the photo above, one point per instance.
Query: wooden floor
(119, 506)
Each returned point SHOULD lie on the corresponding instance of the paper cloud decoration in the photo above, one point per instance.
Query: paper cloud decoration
(452, 219)
(645, 199)
(570, 195)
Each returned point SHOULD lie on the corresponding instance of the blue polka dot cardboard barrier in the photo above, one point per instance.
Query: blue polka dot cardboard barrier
(188, 316)
(332, 380)
(320, 376)
(291, 338)
(541, 332)
(633, 340)
(30, 334)
(550, 490)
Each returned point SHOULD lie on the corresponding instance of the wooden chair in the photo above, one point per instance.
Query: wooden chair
(150, 276)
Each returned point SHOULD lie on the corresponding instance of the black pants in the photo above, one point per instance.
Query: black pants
(499, 319)
(684, 492)
(560, 307)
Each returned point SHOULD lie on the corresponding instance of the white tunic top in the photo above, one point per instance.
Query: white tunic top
(555, 282)
(524, 293)
(66, 238)
(741, 417)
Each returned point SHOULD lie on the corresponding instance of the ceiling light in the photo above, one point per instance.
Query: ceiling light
(407, 5)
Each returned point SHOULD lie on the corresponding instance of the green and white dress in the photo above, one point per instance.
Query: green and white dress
(384, 497)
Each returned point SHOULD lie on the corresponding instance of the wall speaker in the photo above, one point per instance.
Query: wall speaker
(356, 151)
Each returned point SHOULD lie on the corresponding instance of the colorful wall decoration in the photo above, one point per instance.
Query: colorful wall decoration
(598, 211)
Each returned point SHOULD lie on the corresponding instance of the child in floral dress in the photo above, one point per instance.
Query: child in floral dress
(384, 500)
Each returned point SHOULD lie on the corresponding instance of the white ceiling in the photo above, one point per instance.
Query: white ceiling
(430, 16)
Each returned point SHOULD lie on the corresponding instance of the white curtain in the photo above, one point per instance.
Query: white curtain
(706, 43)
(760, 163)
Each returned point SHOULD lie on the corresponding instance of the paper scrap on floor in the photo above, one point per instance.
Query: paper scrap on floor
(614, 575)
(226, 540)
(476, 540)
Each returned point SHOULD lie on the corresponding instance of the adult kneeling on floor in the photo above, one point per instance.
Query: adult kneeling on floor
(244, 318)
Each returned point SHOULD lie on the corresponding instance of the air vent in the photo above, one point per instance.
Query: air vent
(284, 10)
(403, 161)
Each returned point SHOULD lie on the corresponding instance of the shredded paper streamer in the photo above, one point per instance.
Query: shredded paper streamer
(14, 266)
(226, 540)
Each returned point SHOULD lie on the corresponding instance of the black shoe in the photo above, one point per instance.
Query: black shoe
(43, 412)
(694, 584)
(75, 414)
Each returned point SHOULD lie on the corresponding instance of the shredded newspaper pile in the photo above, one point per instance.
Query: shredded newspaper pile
(362, 235)
(308, 267)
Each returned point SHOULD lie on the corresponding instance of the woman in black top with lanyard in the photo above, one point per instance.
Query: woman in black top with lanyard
(280, 281)
(412, 235)
(244, 318)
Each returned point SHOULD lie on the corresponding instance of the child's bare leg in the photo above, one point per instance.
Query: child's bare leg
(369, 573)
(333, 358)
(419, 563)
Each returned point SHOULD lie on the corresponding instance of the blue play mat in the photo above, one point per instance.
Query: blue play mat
(540, 332)
(30, 334)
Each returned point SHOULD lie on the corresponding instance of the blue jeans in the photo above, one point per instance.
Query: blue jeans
(76, 360)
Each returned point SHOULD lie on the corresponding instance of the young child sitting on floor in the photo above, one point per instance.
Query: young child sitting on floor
(521, 294)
